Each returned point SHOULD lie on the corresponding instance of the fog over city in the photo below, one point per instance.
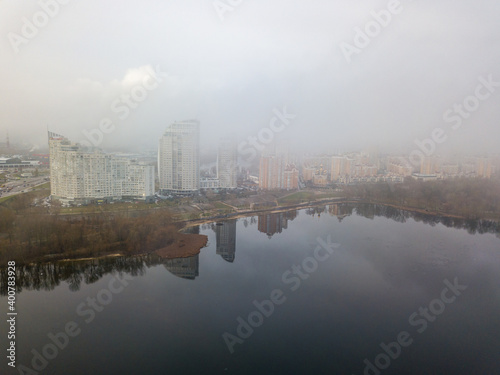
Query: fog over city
(233, 64)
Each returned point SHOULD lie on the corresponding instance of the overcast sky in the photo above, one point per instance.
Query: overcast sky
(231, 68)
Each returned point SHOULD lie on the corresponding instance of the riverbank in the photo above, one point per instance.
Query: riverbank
(428, 212)
(185, 246)
(268, 210)
(160, 230)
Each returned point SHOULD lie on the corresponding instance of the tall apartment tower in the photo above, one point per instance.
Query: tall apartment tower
(179, 158)
(271, 172)
(275, 169)
(227, 164)
(484, 167)
(341, 167)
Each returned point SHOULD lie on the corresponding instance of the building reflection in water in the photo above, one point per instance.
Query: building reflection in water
(340, 210)
(225, 233)
(271, 224)
(47, 276)
(186, 268)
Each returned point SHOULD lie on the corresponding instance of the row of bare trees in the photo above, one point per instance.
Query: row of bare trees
(470, 198)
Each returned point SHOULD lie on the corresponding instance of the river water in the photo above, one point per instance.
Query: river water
(340, 289)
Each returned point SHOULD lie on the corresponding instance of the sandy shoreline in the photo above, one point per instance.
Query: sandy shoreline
(187, 246)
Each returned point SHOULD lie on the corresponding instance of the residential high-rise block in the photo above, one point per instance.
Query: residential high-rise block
(291, 177)
(271, 172)
(179, 158)
(484, 167)
(79, 176)
(275, 174)
(341, 168)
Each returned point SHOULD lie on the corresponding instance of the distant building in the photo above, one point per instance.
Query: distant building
(317, 160)
(209, 183)
(16, 163)
(320, 177)
(43, 159)
(424, 177)
(468, 169)
(450, 170)
(342, 168)
(79, 176)
(179, 159)
(400, 167)
(275, 170)
(484, 167)
(308, 173)
(363, 170)
(271, 170)
(429, 165)
(227, 164)
(291, 177)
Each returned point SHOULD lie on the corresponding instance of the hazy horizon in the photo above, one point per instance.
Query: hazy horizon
(232, 69)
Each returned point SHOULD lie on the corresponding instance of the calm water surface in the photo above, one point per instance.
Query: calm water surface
(334, 309)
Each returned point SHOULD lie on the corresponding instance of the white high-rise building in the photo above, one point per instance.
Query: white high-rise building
(79, 176)
(227, 164)
(179, 158)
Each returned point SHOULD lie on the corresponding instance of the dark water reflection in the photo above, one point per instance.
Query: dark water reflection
(334, 314)
(49, 275)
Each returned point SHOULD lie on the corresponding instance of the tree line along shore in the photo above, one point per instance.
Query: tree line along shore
(31, 233)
